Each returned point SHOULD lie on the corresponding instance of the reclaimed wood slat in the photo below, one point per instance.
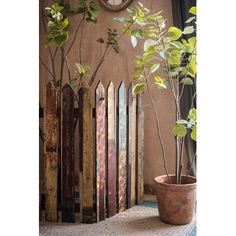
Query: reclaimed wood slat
(140, 150)
(50, 153)
(122, 146)
(100, 150)
(86, 163)
(131, 193)
(111, 150)
(68, 202)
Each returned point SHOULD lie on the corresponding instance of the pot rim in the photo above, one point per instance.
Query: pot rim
(157, 180)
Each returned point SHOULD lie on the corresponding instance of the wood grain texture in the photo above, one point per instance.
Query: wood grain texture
(100, 150)
(140, 150)
(131, 147)
(68, 201)
(122, 146)
(86, 164)
(111, 153)
(50, 153)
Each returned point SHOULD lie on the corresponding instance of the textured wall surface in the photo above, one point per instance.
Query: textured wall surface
(119, 67)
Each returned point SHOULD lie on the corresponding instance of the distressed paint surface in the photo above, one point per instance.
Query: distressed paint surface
(140, 150)
(68, 203)
(100, 150)
(132, 147)
(86, 164)
(50, 153)
(122, 145)
(111, 147)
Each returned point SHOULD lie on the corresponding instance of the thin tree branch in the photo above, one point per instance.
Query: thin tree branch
(105, 54)
(45, 66)
(76, 32)
(81, 40)
(190, 168)
(158, 130)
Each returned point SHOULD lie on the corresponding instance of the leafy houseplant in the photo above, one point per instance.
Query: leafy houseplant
(165, 48)
(56, 21)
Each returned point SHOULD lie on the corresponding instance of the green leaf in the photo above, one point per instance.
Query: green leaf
(138, 77)
(179, 130)
(188, 30)
(131, 10)
(193, 10)
(48, 41)
(59, 16)
(116, 48)
(134, 41)
(137, 33)
(80, 69)
(154, 68)
(73, 83)
(175, 58)
(187, 81)
(181, 122)
(192, 115)
(147, 58)
(51, 24)
(138, 87)
(148, 43)
(100, 40)
(121, 19)
(61, 39)
(65, 23)
(174, 33)
(194, 133)
(160, 82)
(165, 54)
(190, 19)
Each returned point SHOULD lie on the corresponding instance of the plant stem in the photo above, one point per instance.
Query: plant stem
(45, 66)
(105, 54)
(76, 32)
(98, 66)
(181, 158)
(158, 130)
(190, 168)
(81, 41)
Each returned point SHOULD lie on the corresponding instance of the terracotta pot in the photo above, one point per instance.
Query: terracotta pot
(176, 202)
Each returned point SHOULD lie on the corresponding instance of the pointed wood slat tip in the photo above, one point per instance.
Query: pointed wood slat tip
(131, 85)
(67, 86)
(122, 85)
(110, 85)
(99, 85)
(51, 84)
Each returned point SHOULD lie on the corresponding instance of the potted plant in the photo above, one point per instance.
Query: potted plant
(165, 48)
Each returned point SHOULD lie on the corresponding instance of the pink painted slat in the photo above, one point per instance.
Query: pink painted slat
(111, 147)
(122, 146)
(100, 150)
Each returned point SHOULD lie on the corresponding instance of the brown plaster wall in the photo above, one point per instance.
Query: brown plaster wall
(119, 67)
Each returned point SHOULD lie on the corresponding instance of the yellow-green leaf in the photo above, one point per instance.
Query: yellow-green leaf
(174, 33)
(179, 130)
(194, 133)
(193, 10)
(138, 87)
(192, 115)
(160, 82)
